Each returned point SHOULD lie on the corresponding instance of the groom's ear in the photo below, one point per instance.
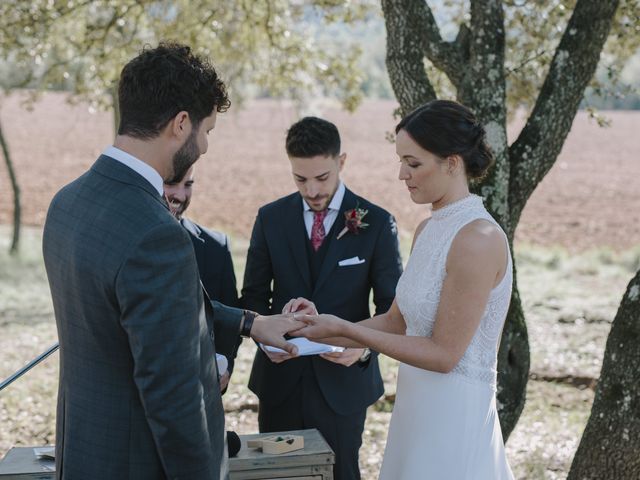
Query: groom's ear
(341, 159)
(180, 125)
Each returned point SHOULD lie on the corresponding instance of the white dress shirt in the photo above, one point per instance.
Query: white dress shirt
(145, 170)
(332, 211)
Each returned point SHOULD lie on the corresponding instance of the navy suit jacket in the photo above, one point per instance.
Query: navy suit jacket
(214, 262)
(278, 270)
(138, 394)
(218, 280)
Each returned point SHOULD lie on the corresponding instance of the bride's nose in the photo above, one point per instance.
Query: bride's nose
(403, 174)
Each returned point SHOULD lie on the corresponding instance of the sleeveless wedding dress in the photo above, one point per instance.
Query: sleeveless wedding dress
(445, 426)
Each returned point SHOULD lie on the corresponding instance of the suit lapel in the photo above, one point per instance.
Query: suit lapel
(336, 246)
(296, 236)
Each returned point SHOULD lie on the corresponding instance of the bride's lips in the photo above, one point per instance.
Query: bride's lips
(411, 189)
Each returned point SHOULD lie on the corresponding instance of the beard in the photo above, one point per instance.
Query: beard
(178, 208)
(325, 199)
(186, 156)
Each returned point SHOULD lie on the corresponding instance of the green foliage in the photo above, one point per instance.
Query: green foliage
(83, 44)
(284, 48)
(533, 31)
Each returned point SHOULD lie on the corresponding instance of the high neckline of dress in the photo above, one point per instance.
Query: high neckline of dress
(454, 207)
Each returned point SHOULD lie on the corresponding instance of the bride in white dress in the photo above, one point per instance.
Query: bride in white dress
(451, 302)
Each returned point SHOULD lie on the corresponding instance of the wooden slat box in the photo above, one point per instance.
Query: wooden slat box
(20, 463)
(314, 462)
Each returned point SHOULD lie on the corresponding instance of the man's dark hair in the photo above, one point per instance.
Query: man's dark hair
(313, 136)
(161, 82)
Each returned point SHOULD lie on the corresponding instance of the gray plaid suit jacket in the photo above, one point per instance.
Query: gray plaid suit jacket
(138, 394)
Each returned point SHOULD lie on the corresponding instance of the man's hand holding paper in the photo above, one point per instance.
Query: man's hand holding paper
(270, 330)
(300, 307)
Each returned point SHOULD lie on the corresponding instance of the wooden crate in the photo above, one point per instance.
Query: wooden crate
(315, 461)
(20, 463)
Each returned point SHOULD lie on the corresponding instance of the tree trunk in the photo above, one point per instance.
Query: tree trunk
(474, 63)
(15, 241)
(513, 364)
(610, 445)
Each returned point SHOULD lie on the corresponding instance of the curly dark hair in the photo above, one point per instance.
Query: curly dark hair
(163, 81)
(312, 136)
(445, 128)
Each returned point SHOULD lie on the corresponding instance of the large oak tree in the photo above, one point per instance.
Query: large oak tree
(480, 72)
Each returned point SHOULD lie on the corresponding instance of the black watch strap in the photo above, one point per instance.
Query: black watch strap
(247, 324)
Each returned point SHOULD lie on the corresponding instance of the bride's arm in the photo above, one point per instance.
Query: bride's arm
(476, 263)
(390, 322)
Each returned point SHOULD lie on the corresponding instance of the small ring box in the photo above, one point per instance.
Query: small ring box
(277, 444)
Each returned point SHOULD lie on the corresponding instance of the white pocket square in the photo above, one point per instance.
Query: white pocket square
(350, 261)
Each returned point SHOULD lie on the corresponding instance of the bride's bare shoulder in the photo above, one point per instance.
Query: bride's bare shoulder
(421, 226)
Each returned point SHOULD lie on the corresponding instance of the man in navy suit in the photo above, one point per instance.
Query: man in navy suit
(302, 246)
(211, 246)
(213, 256)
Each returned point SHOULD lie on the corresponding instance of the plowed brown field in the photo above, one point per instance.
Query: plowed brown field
(590, 198)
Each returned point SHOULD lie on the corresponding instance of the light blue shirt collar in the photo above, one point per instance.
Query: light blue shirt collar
(145, 170)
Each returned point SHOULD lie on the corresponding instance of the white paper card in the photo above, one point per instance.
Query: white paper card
(222, 362)
(350, 261)
(306, 347)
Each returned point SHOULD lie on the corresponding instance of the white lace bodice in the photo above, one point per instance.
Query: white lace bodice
(418, 291)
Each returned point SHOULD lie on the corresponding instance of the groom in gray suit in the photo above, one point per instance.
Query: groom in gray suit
(138, 394)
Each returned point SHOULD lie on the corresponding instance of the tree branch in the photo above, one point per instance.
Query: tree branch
(405, 53)
(535, 151)
(447, 57)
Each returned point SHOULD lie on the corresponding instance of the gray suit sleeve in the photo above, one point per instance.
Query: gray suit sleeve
(226, 327)
(157, 288)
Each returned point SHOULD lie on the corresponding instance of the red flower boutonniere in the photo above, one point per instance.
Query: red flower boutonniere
(353, 221)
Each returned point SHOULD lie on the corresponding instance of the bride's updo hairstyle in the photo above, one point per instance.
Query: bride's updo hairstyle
(446, 128)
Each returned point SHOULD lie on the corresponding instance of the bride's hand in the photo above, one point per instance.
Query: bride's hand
(320, 326)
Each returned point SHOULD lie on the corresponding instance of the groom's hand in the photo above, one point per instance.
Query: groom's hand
(270, 330)
(300, 305)
(347, 357)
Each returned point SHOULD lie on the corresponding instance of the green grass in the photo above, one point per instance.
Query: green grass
(569, 302)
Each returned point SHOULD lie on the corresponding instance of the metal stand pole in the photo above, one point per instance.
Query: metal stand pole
(8, 381)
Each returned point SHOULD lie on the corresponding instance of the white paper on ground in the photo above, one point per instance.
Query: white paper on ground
(306, 347)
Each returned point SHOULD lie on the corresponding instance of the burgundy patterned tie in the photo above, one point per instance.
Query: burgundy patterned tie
(317, 230)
